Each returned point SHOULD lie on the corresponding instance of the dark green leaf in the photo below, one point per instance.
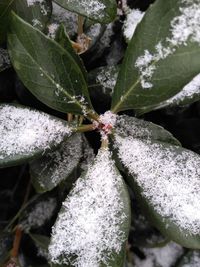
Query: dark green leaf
(160, 59)
(130, 126)
(93, 224)
(35, 13)
(50, 170)
(165, 179)
(41, 241)
(103, 11)
(25, 134)
(4, 59)
(63, 39)
(190, 259)
(49, 72)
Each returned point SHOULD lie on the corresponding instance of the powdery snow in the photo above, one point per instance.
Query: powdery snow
(133, 18)
(58, 164)
(107, 78)
(24, 131)
(41, 213)
(33, 2)
(184, 28)
(52, 28)
(193, 260)
(89, 225)
(170, 180)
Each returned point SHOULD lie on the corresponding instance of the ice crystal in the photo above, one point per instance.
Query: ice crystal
(183, 28)
(169, 177)
(88, 226)
(24, 131)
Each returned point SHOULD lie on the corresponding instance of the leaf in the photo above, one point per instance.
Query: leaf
(50, 170)
(103, 11)
(137, 128)
(160, 60)
(49, 71)
(4, 60)
(93, 224)
(26, 134)
(36, 13)
(190, 259)
(165, 179)
(63, 39)
(41, 241)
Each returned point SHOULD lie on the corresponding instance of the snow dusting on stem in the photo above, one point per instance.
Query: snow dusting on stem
(89, 228)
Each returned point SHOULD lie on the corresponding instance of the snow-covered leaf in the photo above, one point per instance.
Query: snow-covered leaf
(37, 214)
(26, 134)
(138, 128)
(50, 170)
(49, 71)
(36, 12)
(190, 259)
(102, 11)
(93, 224)
(166, 181)
(42, 243)
(162, 57)
(4, 60)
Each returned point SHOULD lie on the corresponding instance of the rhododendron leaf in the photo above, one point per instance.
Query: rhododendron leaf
(36, 13)
(93, 224)
(162, 57)
(49, 72)
(165, 179)
(50, 170)
(103, 11)
(26, 134)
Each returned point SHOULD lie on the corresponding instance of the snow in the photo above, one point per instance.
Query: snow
(33, 2)
(52, 28)
(89, 225)
(193, 260)
(169, 177)
(41, 213)
(24, 131)
(57, 165)
(92, 7)
(4, 59)
(133, 18)
(184, 28)
(164, 257)
(107, 78)
(191, 89)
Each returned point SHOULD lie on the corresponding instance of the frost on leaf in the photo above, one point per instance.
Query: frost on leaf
(93, 222)
(24, 131)
(184, 28)
(133, 17)
(189, 92)
(48, 171)
(163, 257)
(169, 179)
(39, 214)
(137, 128)
(191, 259)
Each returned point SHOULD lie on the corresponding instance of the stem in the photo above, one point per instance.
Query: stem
(91, 115)
(16, 242)
(69, 117)
(80, 25)
(84, 128)
(104, 143)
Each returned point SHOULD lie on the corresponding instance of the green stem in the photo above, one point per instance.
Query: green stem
(84, 128)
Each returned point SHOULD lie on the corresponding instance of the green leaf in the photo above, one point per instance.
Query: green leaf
(41, 241)
(49, 72)
(103, 11)
(26, 134)
(93, 224)
(35, 13)
(190, 259)
(4, 60)
(165, 179)
(137, 128)
(63, 39)
(160, 59)
(50, 170)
